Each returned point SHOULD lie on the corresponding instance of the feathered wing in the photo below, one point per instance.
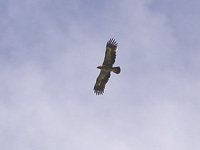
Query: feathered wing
(101, 82)
(110, 55)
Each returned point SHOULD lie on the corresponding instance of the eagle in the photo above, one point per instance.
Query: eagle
(107, 67)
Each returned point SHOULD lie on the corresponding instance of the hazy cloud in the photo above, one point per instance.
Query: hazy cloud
(49, 51)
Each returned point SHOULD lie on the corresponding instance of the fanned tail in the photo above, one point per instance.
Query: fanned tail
(116, 70)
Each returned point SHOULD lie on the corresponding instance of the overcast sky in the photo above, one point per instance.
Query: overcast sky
(49, 51)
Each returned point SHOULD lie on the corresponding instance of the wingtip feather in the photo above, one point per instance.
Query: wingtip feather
(112, 42)
(98, 92)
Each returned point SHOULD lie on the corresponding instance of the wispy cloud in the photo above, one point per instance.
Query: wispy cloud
(49, 52)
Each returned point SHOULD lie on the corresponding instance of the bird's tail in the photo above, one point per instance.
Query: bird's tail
(116, 70)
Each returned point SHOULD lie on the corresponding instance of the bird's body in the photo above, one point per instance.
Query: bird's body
(107, 67)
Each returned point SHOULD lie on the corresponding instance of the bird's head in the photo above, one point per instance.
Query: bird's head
(99, 67)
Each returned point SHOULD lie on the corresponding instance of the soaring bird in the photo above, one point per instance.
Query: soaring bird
(107, 67)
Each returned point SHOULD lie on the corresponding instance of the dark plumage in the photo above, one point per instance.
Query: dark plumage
(107, 67)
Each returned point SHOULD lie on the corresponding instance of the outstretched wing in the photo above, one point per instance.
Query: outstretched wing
(110, 55)
(101, 82)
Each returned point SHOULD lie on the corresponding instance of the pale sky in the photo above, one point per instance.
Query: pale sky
(49, 51)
